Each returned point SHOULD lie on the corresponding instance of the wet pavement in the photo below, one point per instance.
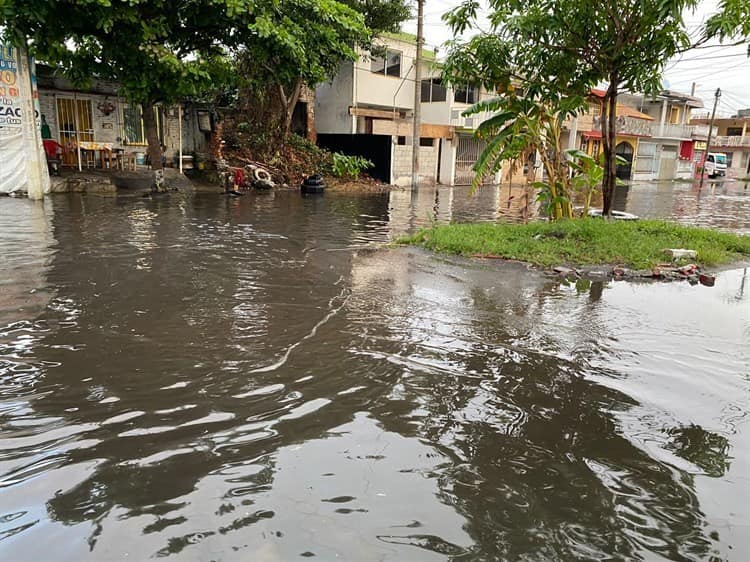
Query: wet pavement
(202, 378)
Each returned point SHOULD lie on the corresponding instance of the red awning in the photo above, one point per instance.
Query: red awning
(593, 134)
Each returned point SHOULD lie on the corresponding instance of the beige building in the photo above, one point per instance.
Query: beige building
(732, 137)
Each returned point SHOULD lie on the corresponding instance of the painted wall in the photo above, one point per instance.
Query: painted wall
(447, 162)
(378, 90)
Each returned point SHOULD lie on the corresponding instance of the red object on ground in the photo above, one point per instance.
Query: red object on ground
(239, 177)
(52, 148)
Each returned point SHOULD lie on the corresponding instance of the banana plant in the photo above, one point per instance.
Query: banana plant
(522, 126)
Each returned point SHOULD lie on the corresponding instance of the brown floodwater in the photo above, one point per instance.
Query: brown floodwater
(202, 378)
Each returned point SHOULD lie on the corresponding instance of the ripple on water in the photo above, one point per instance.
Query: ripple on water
(257, 378)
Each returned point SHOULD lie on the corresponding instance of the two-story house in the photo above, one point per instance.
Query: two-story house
(667, 151)
(632, 126)
(443, 105)
(368, 108)
(654, 138)
(732, 137)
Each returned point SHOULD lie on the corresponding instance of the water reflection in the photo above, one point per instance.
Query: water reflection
(224, 379)
(722, 204)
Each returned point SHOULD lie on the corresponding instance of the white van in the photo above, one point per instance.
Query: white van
(716, 164)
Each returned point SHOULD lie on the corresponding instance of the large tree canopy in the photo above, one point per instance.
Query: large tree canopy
(306, 43)
(162, 50)
(566, 47)
(158, 50)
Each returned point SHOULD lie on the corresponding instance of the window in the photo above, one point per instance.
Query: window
(133, 123)
(134, 131)
(433, 90)
(401, 141)
(674, 115)
(426, 142)
(465, 94)
(595, 147)
(595, 109)
(734, 131)
(390, 64)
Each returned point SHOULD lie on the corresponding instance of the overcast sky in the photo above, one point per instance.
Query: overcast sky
(720, 66)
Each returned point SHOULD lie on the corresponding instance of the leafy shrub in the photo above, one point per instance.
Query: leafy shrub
(350, 166)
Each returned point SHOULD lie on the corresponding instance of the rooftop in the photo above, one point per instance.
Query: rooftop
(428, 54)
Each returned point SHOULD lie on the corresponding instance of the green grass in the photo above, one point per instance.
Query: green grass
(637, 244)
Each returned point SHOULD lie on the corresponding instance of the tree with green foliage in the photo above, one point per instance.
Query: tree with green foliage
(163, 50)
(732, 21)
(158, 50)
(305, 44)
(567, 47)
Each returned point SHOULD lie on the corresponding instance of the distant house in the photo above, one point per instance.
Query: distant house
(98, 116)
(368, 109)
(444, 105)
(732, 137)
(654, 139)
(669, 152)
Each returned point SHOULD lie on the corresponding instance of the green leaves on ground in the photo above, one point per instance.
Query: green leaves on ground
(637, 244)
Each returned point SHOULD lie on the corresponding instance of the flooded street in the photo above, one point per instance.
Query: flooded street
(203, 378)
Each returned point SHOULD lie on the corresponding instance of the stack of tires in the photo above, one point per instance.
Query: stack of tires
(313, 184)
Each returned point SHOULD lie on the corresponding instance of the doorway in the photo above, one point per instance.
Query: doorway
(75, 121)
(625, 166)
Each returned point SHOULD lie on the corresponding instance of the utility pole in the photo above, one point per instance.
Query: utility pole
(417, 98)
(717, 95)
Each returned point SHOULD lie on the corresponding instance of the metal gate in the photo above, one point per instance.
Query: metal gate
(75, 121)
(468, 150)
(668, 163)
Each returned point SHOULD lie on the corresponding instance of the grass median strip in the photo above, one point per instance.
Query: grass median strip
(636, 244)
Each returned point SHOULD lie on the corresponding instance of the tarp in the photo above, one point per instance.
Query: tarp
(23, 165)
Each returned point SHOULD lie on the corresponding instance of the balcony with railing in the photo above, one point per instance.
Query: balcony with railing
(626, 125)
(700, 132)
(730, 142)
(671, 131)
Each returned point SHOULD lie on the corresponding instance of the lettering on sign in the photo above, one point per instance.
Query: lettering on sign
(10, 94)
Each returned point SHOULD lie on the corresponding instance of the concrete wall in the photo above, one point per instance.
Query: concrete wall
(447, 174)
(106, 128)
(437, 113)
(332, 102)
(386, 91)
(401, 164)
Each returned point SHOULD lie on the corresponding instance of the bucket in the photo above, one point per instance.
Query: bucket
(187, 162)
(140, 158)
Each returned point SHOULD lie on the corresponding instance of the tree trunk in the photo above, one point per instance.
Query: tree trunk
(608, 142)
(289, 104)
(154, 145)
